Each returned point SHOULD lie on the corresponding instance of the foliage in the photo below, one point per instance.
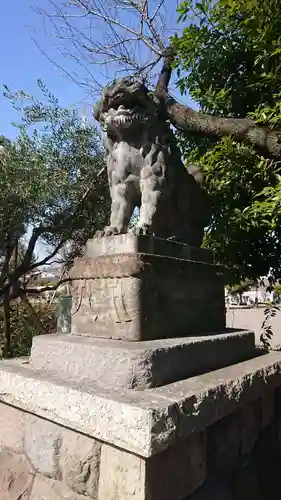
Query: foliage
(267, 332)
(52, 190)
(49, 178)
(23, 327)
(241, 287)
(229, 61)
(51, 166)
(230, 55)
(277, 288)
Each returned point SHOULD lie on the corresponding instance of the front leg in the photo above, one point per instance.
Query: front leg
(121, 208)
(121, 195)
(151, 186)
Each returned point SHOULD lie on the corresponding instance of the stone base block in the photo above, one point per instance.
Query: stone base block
(144, 288)
(144, 422)
(178, 471)
(137, 365)
(80, 442)
(132, 244)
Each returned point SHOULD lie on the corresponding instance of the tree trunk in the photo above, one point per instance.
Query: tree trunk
(36, 320)
(7, 326)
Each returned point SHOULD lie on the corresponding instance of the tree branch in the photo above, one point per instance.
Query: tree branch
(183, 117)
(37, 231)
(114, 21)
(166, 71)
(264, 139)
(48, 257)
(126, 44)
(154, 15)
(32, 311)
(13, 287)
(9, 248)
(47, 288)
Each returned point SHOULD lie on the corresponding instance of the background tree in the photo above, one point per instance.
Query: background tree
(228, 58)
(240, 288)
(132, 36)
(227, 54)
(277, 289)
(53, 190)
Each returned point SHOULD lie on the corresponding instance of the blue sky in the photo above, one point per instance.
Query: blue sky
(22, 63)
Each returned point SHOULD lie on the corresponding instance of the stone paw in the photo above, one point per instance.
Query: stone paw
(98, 234)
(111, 230)
(144, 230)
(107, 231)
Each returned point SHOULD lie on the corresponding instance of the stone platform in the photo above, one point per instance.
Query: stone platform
(188, 440)
(145, 422)
(140, 288)
(96, 416)
(138, 365)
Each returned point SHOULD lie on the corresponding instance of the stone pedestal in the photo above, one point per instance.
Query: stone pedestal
(87, 417)
(63, 439)
(138, 365)
(143, 288)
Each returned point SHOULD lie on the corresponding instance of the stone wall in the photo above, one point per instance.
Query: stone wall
(236, 458)
(243, 454)
(40, 460)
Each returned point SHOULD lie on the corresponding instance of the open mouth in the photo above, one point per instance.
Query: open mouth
(121, 99)
(124, 115)
(127, 119)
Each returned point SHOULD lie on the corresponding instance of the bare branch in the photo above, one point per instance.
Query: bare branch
(13, 285)
(156, 11)
(47, 288)
(66, 73)
(46, 259)
(124, 36)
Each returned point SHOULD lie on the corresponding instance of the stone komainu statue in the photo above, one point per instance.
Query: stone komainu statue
(145, 168)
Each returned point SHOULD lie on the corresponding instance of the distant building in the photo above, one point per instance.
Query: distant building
(44, 279)
(258, 294)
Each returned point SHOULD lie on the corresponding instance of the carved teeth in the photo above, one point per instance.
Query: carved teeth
(125, 119)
